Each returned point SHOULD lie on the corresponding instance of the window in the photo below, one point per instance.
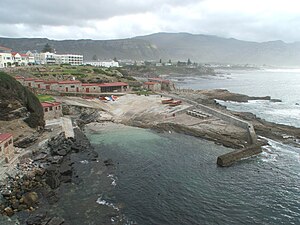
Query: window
(10, 142)
(6, 144)
(72, 86)
(51, 108)
(46, 109)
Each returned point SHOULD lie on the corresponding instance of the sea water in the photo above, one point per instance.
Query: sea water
(169, 178)
(283, 84)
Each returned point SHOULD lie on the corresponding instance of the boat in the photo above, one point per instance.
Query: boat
(167, 101)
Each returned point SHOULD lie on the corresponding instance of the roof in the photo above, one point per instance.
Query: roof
(50, 82)
(90, 84)
(14, 53)
(115, 84)
(24, 55)
(69, 82)
(150, 83)
(39, 81)
(50, 104)
(4, 137)
(29, 79)
(19, 77)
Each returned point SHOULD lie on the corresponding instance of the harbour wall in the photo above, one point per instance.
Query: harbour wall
(252, 138)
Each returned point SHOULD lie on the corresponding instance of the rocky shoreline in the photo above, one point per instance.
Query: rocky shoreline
(28, 196)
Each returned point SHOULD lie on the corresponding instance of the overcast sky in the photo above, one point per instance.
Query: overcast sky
(253, 20)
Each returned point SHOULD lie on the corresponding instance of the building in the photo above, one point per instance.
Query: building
(52, 110)
(113, 87)
(5, 59)
(68, 86)
(46, 58)
(73, 86)
(151, 85)
(72, 59)
(165, 84)
(6, 147)
(103, 63)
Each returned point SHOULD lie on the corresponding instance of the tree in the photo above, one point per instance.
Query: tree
(94, 58)
(189, 62)
(115, 59)
(170, 61)
(160, 61)
(47, 48)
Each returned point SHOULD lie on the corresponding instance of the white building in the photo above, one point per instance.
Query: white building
(103, 63)
(5, 60)
(46, 58)
(72, 59)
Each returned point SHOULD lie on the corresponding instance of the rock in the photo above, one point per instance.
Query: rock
(30, 198)
(36, 219)
(9, 211)
(53, 180)
(56, 221)
(65, 168)
(108, 162)
(62, 152)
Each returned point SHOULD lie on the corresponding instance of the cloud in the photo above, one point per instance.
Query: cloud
(253, 20)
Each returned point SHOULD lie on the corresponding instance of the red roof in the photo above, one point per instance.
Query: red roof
(69, 82)
(90, 84)
(50, 104)
(29, 79)
(19, 77)
(150, 83)
(4, 137)
(50, 82)
(115, 84)
(14, 53)
(39, 81)
(23, 55)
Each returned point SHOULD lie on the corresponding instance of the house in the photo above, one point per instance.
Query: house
(52, 110)
(68, 86)
(29, 82)
(90, 88)
(50, 85)
(17, 58)
(6, 147)
(38, 84)
(165, 84)
(5, 60)
(114, 87)
(153, 86)
(110, 63)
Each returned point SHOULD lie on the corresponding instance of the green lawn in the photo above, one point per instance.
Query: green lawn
(45, 98)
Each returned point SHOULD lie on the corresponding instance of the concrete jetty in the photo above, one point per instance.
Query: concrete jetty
(232, 157)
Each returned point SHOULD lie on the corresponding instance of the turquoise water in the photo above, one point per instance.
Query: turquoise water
(164, 178)
(279, 84)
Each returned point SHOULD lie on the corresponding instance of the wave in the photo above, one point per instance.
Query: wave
(101, 201)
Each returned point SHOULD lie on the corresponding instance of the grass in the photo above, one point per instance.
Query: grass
(45, 98)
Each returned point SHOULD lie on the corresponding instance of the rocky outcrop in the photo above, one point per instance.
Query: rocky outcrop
(17, 102)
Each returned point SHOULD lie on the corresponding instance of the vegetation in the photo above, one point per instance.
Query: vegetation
(47, 48)
(45, 98)
(14, 94)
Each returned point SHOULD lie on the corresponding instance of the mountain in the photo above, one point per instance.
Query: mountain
(174, 46)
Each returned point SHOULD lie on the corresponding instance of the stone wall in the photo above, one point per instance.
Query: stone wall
(252, 138)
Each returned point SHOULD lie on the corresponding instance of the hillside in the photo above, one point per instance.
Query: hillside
(17, 102)
(174, 46)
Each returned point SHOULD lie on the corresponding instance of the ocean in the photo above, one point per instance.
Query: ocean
(170, 178)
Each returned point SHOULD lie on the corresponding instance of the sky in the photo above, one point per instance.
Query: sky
(251, 20)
